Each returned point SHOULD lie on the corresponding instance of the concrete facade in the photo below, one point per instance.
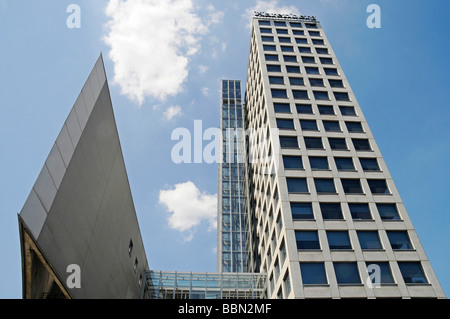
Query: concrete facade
(80, 210)
(294, 75)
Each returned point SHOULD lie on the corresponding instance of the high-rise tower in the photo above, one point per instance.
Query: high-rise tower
(329, 220)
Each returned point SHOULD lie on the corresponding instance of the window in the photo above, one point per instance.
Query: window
(313, 273)
(352, 186)
(332, 126)
(318, 42)
(284, 40)
(225, 172)
(292, 69)
(273, 68)
(326, 60)
(302, 211)
(276, 271)
(316, 82)
(290, 58)
(285, 124)
(226, 188)
(330, 71)
(361, 144)
(286, 48)
(287, 284)
(301, 40)
(313, 143)
(347, 110)
(325, 185)
(331, 211)
(326, 110)
(318, 163)
(321, 95)
(308, 125)
(295, 24)
(378, 186)
(307, 240)
(282, 108)
(360, 211)
(399, 240)
(297, 185)
(296, 81)
(263, 22)
(336, 83)
(337, 143)
(354, 127)
(338, 240)
(322, 51)
(312, 70)
(276, 80)
(385, 274)
(298, 32)
(271, 57)
(282, 31)
(412, 272)
(135, 266)
(279, 93)
(346, 273)
(267, 38)
(369, 240)
(341, 96)
(308, 59)
(311, 25)
(304, 49)
(304, 108)
(300, 94)
(226, 222)
(280, 23)
(314, 33)
(265, 30)
(369, 164)
(130, 248)
(344, 163)
(388, 211)
(282, 249)
(288, 142)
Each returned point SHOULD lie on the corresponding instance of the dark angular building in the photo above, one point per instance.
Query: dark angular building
(80, 213)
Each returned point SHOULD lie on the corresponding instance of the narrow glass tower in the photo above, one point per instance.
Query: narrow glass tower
(328, 220)
(231, 252)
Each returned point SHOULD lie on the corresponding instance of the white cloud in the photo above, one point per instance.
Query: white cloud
(214, 16)
(151, 42)
(203, 68)
(188, 207)
(224, 46)
(205, 91)
(171, 112)
(269, 6)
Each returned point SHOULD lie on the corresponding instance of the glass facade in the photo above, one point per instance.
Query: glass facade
(232, 182)
(191, 285)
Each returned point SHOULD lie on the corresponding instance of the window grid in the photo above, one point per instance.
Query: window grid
(344, 110)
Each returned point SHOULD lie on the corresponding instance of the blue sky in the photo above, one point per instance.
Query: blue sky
(399, 74)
